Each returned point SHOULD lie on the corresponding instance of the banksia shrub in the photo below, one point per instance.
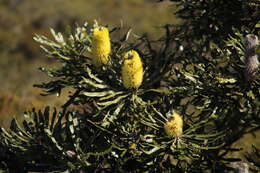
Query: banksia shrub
(132, 70)
(126, 123)
(101, 47)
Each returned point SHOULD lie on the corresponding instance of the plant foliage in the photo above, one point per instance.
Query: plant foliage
(122, 129)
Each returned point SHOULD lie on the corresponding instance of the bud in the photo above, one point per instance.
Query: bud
(101, 46)
(173, 127)
(252, 62)
(71, 153)
(132, 70)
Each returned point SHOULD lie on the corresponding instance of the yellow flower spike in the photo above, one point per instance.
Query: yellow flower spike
(173, 127)
(133, 146)
(101, 46)
(132, 70)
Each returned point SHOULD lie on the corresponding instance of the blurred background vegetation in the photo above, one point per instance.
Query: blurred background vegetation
(20, 56)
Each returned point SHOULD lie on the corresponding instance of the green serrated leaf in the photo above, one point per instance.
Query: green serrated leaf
(93, 84)
(115, 101)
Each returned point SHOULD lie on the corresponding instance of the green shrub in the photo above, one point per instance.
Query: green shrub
(147, 128)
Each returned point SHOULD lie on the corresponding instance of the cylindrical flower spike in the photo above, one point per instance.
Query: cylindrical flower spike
(132, 70)
(252, 62)
(173, 127)
(101, 46)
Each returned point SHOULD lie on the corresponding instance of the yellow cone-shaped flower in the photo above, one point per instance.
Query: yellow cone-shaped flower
(101, 46)
(173, 127)
(132, 70)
